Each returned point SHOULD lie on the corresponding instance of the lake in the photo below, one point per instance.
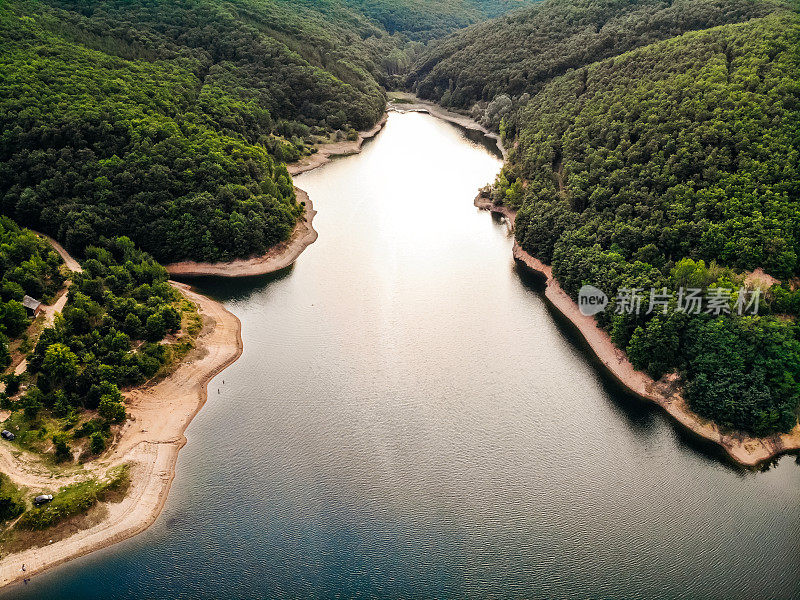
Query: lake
(409, 419)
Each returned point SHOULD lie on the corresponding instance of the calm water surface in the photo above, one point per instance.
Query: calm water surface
(409, 420)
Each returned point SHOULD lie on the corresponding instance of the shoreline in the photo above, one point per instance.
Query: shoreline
(278, 257)
(413, 103)
(282, 254)
(149, 442)
(327, 152)
(745, 450)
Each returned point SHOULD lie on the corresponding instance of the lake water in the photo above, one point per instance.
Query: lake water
(410, 420)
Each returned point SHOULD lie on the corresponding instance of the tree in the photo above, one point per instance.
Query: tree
(10, 507)
(31, 402)
(60, 364)
(14, 318)
(62, 453)
(111, 409)
(97, 442)
(156, 328)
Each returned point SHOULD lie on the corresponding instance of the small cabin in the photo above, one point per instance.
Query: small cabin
(32, 305)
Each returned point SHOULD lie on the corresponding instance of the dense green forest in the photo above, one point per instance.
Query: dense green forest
(678, 165)
(28, 265)
(429, 19)
(519, 53)
(653, 144)
(111, 335)
(168, 121)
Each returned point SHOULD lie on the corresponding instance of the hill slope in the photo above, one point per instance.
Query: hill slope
(428, 19)
(520, 52)
(167, 120)
(677, 165)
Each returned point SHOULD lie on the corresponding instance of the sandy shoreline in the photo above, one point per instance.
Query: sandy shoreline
(745, 450)
(285, 253)
(149, 443)
(278, 257)
(152, 438)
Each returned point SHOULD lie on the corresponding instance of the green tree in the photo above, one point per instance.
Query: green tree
(97, 442)
(60, 364)
(156, 328)
(14, 318)
(61, 452)
(111, 409)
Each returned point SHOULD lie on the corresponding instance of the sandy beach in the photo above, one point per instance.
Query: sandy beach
(149, 444)
(745, 450)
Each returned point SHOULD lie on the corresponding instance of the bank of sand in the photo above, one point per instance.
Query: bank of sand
(149, 443)
(666, 392)
(285, 253)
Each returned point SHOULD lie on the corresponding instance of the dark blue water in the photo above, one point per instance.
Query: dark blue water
(409, 420)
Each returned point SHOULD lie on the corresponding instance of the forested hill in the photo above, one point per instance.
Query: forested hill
(428, 19)
(677, 165)
(167, 120)
(520, 52)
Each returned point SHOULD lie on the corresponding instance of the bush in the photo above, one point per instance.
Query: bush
(97, 442)
(111, 409)
(62, 451)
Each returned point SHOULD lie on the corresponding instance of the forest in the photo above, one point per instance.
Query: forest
(676, 165)
(425, 20)
(120, 117)
(519, 53)
(28, 266)
(653, 143)
(170, 121)
(123, 324)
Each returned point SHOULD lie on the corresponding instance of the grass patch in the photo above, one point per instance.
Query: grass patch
(192, 322)
(34, 435)
(76, 499)
(12, 500)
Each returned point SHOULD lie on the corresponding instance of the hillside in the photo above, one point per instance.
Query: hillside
(520, 52)
(28, 266)
(424, 20)
(676, 165)
(168, 121)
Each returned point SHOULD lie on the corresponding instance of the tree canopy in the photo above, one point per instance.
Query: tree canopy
(677, 165)
(520, 52)
(168, 121)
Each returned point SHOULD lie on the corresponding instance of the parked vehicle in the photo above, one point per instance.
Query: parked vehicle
(43, 499)
(7, 435)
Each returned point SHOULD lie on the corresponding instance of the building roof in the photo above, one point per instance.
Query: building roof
(31, 303)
